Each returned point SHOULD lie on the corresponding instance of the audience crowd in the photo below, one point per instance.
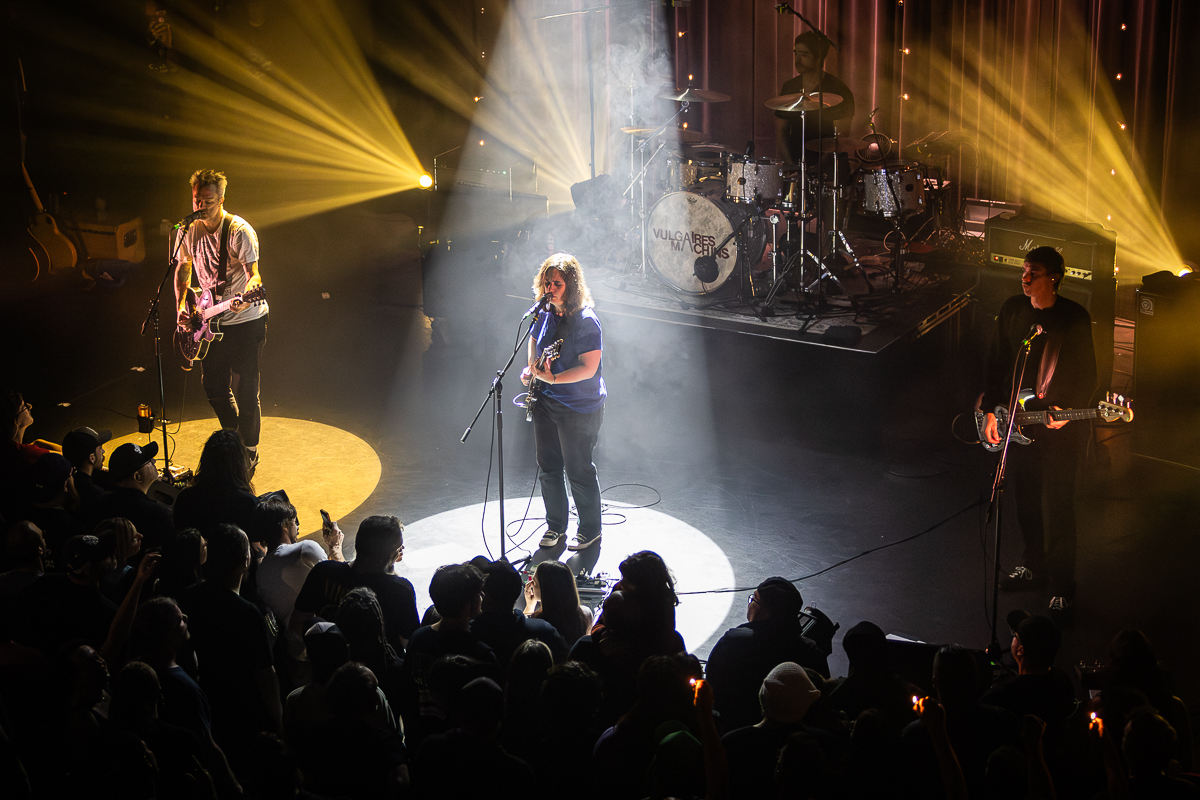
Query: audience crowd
(200, 649)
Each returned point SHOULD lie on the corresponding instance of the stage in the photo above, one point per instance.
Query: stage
(753, 456)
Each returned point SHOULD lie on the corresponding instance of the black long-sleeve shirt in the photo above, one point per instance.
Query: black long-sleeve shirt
(1062, 361)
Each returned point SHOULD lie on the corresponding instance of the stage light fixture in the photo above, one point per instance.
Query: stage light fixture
(425, 181)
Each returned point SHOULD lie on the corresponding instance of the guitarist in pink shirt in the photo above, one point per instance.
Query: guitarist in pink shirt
(220, 251)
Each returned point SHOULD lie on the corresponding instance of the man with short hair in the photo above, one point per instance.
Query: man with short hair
(233, 647)
(84, 448)
(221, 249)
(378, 545)
(501, 625)
(743, 656)
(1060, 370)
(1039, 688)
(59, 608)
(53, 493)
(133, 472)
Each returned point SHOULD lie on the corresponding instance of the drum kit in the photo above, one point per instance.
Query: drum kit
(708, 213)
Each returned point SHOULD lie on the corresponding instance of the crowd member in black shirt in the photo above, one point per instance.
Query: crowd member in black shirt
(810, 51)
(84, 448)
(378, 545)
(24, 550)
(1061, 371)
(744, 655)
(502, 626)
(132, 472)
(221, 490)
(52, 494)
(69, 606)
(233, 647)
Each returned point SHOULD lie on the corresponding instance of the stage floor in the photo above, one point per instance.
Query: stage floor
(765, 458)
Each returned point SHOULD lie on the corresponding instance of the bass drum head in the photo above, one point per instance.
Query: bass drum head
(685, 226)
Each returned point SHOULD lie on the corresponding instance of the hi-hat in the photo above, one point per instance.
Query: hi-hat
(678, 134)
(829, 144)
(690, 95)
(812, 101)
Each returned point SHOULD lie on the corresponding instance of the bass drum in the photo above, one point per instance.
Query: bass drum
(684, 226)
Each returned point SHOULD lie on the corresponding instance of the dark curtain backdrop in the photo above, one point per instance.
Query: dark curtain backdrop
(743, 48)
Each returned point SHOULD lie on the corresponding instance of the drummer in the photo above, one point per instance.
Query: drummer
(810, 51)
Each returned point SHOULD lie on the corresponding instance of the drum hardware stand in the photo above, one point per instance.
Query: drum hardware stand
(640, 179)
(835, 235)
(709, 262)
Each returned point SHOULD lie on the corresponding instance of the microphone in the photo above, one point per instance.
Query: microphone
(749, 150)
(188, 220)
(1034, 332)
(542, 302)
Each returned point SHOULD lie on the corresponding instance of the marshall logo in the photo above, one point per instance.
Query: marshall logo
(1028, 245)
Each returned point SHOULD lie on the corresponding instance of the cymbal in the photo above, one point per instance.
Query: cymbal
(844, 144)
(812, 101)
(678, 134)
(691, 95)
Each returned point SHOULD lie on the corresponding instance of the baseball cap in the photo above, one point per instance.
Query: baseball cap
(81, 551)
(50, 472)
(129, 458)
(82, 442)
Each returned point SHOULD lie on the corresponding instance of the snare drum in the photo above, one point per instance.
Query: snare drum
(908, 184)
(754, 181)
(684, 226)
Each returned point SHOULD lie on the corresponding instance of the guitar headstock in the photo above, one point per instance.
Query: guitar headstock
(255, 296)
(1115, 407)
(551, 351)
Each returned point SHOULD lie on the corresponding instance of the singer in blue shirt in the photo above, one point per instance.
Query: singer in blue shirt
(570, 405)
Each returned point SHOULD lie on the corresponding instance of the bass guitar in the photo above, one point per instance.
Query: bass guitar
(1110, 410)
(544, 360)
(202, 326)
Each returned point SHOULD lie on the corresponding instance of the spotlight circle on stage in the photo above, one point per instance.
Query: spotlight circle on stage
(453, 537)
(318, 465)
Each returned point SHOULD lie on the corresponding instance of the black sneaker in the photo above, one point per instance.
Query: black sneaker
(581, 543)
(551, 539)
(1020, 579)
(1059, 605)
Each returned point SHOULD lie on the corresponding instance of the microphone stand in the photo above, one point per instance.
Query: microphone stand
(785, 8)
(152, 315)
(996, 503)
(495, 394)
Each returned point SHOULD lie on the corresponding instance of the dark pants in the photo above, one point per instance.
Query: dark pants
(230, 377)
(565, 440)
(1043, 476)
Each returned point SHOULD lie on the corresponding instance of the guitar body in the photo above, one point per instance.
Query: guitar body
(1106, 410)
(531, 397)
(203, 326)
(59, 249)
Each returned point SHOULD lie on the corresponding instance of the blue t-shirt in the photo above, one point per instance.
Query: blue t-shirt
(580, 334)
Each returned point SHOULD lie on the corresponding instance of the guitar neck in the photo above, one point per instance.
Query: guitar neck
(1042, 417)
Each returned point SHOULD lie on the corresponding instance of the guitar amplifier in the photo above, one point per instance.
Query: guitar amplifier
(104, 241)
(1090, 255)
(1166, 366)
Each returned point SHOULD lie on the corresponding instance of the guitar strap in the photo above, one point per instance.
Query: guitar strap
(223, 258)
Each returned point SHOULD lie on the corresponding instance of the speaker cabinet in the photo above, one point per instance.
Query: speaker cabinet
(1166, 366)
(1089, 253)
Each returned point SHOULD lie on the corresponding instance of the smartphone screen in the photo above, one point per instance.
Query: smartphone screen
(325, 517)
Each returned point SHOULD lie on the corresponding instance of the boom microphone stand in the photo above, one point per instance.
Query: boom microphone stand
(996, 503)
(496, 395)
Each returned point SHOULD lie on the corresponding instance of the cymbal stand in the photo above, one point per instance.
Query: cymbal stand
(640, 180)
(835, 236)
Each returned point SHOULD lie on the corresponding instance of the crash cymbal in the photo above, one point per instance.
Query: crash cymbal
(812, 101)
(692, 95)
(676, 134)
(843, 144)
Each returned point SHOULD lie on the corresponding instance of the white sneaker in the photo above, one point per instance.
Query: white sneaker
(581, 543)
(551, 539)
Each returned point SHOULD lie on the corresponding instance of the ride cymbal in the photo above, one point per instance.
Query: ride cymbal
(811, 101)
(678, 134)
(692, 95)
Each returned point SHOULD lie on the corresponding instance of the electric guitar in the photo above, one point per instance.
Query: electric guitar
(1108, 410)
(202, 327)
(531, 397)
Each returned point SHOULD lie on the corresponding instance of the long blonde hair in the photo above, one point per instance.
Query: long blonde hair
(577, 295)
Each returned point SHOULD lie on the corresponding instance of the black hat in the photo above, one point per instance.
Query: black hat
(780, 596)
(82, 442)
(50, 472)
(129, 458)
(81, 551)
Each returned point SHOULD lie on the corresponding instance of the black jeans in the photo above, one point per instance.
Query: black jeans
(230, 377)
(1044, 484)
(565, 440)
